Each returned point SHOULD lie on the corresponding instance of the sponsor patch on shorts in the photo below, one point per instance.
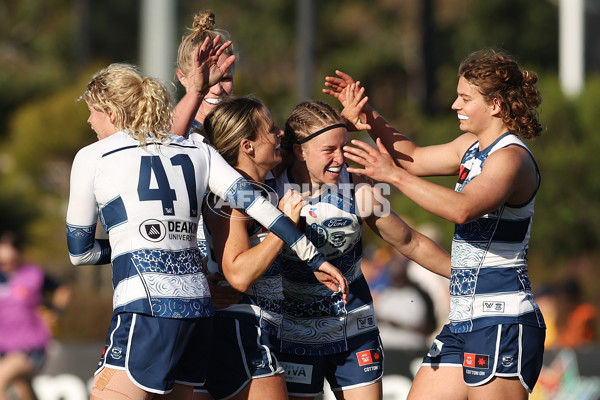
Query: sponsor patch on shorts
(481, 361)
(297, 373)
(367, 357)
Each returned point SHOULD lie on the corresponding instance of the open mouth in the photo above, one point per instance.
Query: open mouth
(334, 170)
(213, 100)
(462, 117)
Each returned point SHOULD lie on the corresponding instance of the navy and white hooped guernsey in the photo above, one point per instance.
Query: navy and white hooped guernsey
(261, 303)
(149, 201)
(489, 284)
(315, 320)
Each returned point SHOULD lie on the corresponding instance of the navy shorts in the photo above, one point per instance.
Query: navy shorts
(240, 351)
(155, 352)
(504, 351)
(305, 375)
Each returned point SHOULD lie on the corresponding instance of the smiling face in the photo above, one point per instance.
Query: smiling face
(324, 156)
(474, 113)
(101, 123)
(216, 93)
(267, 153)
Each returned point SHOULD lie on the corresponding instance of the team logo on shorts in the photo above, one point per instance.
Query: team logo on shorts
(367, 357)
(481, 361)
(153, 230)
(507, 361)
(116, 353)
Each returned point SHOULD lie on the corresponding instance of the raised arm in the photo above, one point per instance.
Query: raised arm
(207, 73)
(497, 184)
(421, 161)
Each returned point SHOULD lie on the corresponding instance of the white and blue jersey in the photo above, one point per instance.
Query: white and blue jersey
(261, 303)
(195, 137)
(149, 200)
(489, 284)
(316, 321)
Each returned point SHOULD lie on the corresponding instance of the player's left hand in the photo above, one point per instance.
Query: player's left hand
(377, 162)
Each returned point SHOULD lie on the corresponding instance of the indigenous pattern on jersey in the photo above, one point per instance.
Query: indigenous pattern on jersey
(315, 320)
(262, 301)
(149, 201)
(489, 284)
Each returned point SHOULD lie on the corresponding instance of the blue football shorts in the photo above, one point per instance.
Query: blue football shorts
(511, 350)
(240, 351)
(157, 352)
(351, 369)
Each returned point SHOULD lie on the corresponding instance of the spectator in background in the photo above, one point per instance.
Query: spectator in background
(575, 318)
(546, 298)
(24, 332)
(374, 267)
(404, 311)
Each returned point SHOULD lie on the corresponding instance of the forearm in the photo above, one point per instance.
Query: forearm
(84, 249)
(412, 244)
(400, 146)
(430, 255)
(228, 184)
(438, 200)
(242, 271)
(185, 112)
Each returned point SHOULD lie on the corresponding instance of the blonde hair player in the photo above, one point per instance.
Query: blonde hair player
(146, 185)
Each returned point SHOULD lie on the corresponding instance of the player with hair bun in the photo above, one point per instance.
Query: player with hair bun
(145, 185)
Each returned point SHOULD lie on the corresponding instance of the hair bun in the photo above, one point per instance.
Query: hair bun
(204, 21)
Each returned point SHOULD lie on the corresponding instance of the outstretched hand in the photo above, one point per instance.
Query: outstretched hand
(377, 162)
(352, 97)
(207, 70)
(331, 277)
(337, 84)
(354, 103)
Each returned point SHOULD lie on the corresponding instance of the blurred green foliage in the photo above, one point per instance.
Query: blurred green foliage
(405, 52)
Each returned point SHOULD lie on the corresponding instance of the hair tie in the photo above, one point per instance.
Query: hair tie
(317, 133)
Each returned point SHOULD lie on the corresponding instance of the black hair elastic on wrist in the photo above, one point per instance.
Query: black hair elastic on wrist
(317, 133)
